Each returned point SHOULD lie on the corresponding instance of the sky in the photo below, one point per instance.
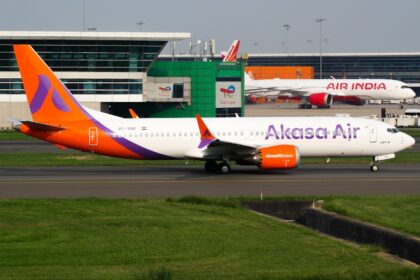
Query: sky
(350, 26)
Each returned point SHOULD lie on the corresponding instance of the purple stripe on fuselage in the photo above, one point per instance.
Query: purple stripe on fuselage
(141, 151)
(40, 94)
(59, 102)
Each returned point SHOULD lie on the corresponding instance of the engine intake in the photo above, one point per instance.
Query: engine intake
(323, 100)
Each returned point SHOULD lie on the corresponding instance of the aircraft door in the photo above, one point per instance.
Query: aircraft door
(93, 136)
(373, 134)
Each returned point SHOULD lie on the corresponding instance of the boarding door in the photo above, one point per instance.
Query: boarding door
(373, 135)
(93, 136)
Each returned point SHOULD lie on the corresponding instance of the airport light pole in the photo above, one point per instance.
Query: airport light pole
(287, 27)
(309, 41)
(320, 21)
(84, 15)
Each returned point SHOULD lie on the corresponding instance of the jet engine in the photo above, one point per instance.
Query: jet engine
(274, 157)
(321, 100)
(353, 100)
(250, 99)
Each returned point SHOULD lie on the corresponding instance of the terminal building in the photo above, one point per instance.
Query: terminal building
(399, 66)
(115, 71)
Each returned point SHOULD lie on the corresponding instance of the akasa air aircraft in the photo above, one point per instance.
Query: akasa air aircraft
(269, 143)
(322, 93)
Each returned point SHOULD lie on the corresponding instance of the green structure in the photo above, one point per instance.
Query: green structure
(207, 80)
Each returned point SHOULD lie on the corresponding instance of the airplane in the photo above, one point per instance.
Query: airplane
(322, 93)
(269, 143)
(232, 54)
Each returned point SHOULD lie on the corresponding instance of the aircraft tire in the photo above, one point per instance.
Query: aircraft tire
(224, 168)
(210, 166)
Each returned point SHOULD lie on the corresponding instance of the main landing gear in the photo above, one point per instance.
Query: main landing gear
(212, 166)
(305, 106)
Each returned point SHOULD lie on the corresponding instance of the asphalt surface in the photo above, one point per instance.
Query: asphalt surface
(172, 181)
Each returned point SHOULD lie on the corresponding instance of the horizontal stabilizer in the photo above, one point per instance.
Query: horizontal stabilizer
(42, 126)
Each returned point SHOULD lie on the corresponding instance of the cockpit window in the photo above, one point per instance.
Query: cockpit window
(392, 130)
(405, 87)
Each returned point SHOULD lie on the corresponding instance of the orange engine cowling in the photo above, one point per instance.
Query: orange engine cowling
(274, 157)
(279, 157)
(320, 99)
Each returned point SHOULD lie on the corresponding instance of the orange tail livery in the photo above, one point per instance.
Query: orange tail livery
(59, 118)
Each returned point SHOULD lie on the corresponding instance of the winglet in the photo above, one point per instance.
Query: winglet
(133, 114)
(206, 136)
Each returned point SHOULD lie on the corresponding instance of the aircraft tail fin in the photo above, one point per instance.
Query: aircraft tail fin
(232, 54)
(49, 100)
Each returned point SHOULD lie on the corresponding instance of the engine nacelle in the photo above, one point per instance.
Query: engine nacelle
(353, 100)
(250, 99)
(274, 157)
(323, 100)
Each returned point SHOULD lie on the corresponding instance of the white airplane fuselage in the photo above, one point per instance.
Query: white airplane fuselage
(365, 89)
(313, 136)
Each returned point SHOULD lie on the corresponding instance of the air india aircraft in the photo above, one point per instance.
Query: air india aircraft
(232, 54)
(269, 143)
(322, 93)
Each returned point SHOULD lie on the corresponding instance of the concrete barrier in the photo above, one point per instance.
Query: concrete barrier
(396, 243)
(303, 212)
(286, 210)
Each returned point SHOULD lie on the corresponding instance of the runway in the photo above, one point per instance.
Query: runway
(173, 181)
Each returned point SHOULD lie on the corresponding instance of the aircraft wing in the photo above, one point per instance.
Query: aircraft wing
(287, 93)
(211, 147)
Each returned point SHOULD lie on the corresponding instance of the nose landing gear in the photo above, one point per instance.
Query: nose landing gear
(374, 168)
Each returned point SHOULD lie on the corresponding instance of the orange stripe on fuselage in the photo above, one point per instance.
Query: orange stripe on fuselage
(78, 138)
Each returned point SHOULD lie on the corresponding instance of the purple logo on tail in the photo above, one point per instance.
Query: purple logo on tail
(44, 87)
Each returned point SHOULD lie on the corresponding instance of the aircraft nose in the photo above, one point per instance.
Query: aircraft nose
(407, 140)
(412, 94)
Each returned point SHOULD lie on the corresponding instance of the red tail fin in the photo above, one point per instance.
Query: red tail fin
(232, 54)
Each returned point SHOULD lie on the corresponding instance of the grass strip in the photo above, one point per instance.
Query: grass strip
(155, 239)
(398, 212)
